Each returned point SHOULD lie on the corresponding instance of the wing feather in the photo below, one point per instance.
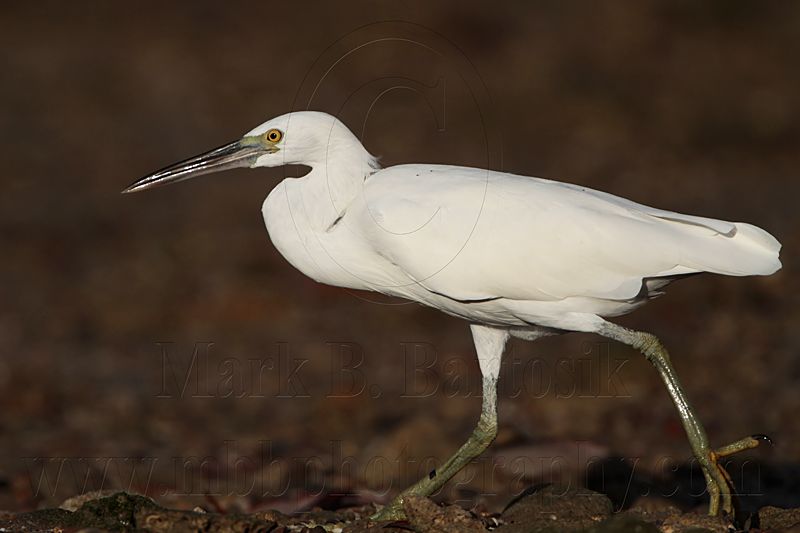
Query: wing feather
(472, 234)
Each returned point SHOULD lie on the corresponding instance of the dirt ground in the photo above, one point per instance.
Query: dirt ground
(159, 345)
(547, 509)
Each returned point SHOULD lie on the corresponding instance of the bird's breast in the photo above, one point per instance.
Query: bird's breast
(332, 257)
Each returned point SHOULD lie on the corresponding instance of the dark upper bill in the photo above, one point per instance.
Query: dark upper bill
(241, 153)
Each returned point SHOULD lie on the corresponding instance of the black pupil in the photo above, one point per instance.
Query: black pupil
(273, 135)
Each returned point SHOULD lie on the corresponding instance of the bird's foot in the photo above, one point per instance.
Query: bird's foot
(718, 481)
(393, 511)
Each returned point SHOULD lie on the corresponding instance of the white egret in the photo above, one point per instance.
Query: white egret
(514, 255)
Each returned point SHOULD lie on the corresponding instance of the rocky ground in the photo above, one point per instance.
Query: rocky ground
(549, 509)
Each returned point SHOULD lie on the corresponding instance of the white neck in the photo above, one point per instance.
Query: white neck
(334, 182)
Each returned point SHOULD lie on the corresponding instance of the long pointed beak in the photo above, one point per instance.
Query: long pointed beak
(241, 153)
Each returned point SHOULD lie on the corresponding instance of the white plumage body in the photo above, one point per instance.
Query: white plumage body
(498, 248)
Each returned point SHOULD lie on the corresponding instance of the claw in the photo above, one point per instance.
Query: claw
(723, 481)
(764, 438)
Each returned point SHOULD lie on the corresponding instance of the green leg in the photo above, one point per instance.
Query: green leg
(489, 343)
(482, 436)
(717, 479)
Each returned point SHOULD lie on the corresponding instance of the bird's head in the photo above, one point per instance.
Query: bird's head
(304, 138)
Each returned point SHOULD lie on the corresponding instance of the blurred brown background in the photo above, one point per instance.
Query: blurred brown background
(689, 106)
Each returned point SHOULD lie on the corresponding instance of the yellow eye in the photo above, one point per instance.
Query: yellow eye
(274, 135)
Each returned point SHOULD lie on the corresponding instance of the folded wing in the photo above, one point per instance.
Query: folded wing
(471, 234)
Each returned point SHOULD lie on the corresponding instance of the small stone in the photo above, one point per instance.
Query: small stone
(74, 503)
(555, 508)
(654, 504)
(426, 517)
(777, 518)
(624, 523)
(275, 516)
(683, 523)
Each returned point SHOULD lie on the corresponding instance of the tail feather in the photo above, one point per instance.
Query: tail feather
(749, 251)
